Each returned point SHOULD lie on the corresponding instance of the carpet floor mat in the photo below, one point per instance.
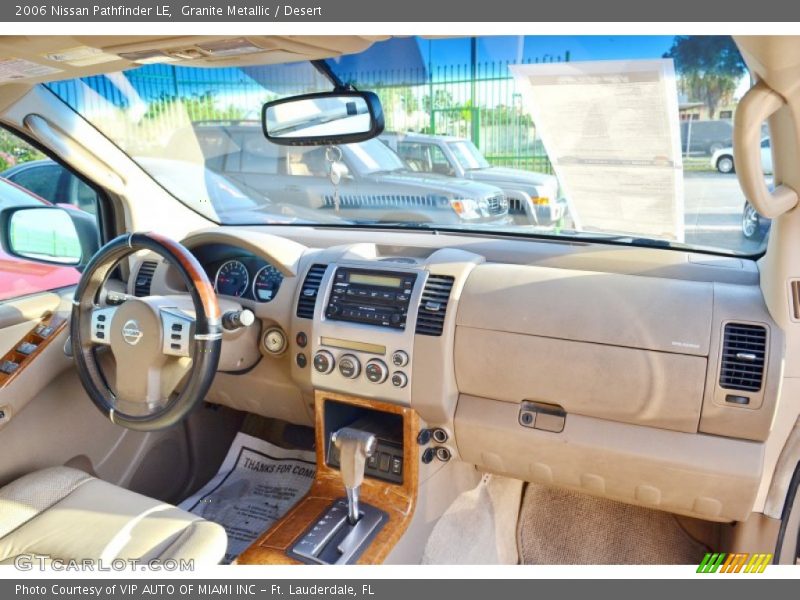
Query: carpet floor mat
(558, 526)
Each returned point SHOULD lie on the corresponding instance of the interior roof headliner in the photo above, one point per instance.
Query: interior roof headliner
(272, 50)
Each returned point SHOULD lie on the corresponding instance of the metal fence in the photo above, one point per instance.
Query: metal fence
(478, 101)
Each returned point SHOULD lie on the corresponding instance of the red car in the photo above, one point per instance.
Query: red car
(19, 277)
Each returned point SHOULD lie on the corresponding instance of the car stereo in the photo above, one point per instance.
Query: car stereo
(370, 296)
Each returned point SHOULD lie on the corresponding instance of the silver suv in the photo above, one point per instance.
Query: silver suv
(375, 184)
(533, 197)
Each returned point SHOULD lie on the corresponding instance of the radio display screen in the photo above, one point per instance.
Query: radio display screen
(380, 280)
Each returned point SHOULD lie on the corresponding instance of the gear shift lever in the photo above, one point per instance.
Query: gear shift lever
(355, 446)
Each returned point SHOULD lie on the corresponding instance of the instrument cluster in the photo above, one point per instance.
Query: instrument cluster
(246, 277)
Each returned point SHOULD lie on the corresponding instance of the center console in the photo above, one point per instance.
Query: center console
(364, 325)
(364, 493)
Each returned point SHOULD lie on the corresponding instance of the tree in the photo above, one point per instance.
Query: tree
(441, 99)
(710, 67)
(199, 107)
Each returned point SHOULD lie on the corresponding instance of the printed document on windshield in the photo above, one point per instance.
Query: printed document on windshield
(612, 133)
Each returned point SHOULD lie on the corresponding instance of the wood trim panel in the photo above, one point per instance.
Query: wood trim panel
(397, 500)
(53, 321)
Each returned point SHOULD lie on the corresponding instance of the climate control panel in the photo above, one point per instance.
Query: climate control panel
(374, 370)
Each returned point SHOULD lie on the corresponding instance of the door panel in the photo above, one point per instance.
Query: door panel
(49, 420)
(25, 373)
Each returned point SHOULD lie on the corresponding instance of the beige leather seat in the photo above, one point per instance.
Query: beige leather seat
(65, 514)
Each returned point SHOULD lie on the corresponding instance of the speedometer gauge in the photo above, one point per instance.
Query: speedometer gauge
(266, 283)
(232, 279)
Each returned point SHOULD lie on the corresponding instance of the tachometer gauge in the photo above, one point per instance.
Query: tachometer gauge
(266, 283)
(232, 279)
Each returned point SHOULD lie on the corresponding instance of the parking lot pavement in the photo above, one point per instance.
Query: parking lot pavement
(713, 207)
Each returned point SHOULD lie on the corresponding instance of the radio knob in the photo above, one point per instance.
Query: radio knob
(349, 366)
(399, 358)
(376, 371)
(399, 379)
(324, 362)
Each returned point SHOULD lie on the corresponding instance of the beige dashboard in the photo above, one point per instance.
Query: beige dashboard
(647, 376)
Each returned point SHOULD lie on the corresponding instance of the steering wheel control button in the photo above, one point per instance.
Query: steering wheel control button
(399, 358)
(275, 341)
(349, 366)
(99, 328)
(376, 371)
(324, 362)
(301, 339)
(301, 360)
(399, 379)
(177, 327)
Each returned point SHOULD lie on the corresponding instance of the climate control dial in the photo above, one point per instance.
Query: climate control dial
(349, 366)
(324, 362)
(376, 370)
(399, 379)
(399, 358)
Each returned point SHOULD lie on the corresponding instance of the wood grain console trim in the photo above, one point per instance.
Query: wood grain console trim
(55, 323)
(397, 500)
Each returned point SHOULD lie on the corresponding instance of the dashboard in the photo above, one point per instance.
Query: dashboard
(498, 344)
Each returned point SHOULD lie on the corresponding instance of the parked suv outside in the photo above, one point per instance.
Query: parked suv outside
(375, 185)
(532, 197)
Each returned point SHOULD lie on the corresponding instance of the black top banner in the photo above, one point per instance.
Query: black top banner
(398, 11)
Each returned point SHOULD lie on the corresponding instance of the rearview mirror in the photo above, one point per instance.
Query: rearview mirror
(49, 234)
(323, 119)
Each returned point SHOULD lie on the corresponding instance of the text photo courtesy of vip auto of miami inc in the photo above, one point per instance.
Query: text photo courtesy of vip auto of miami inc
(302, 305)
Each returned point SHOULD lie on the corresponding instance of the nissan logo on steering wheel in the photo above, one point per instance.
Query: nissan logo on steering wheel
(131, 332)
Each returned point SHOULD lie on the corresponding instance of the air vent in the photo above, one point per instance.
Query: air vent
(308, 293)
(144, 277)
(744, 349)
(433, 306)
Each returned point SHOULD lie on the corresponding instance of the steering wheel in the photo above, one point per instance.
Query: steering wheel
(159, 343)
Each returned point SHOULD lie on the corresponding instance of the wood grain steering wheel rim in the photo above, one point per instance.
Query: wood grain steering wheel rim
(203, 332)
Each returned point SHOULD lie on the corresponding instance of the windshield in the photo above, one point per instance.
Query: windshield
(373, 157)
(468, 155)
(626, 139)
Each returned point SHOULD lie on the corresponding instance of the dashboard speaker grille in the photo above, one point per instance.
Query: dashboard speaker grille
(744, 349)
(308, 293)
(144, 277)
(433, 306)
